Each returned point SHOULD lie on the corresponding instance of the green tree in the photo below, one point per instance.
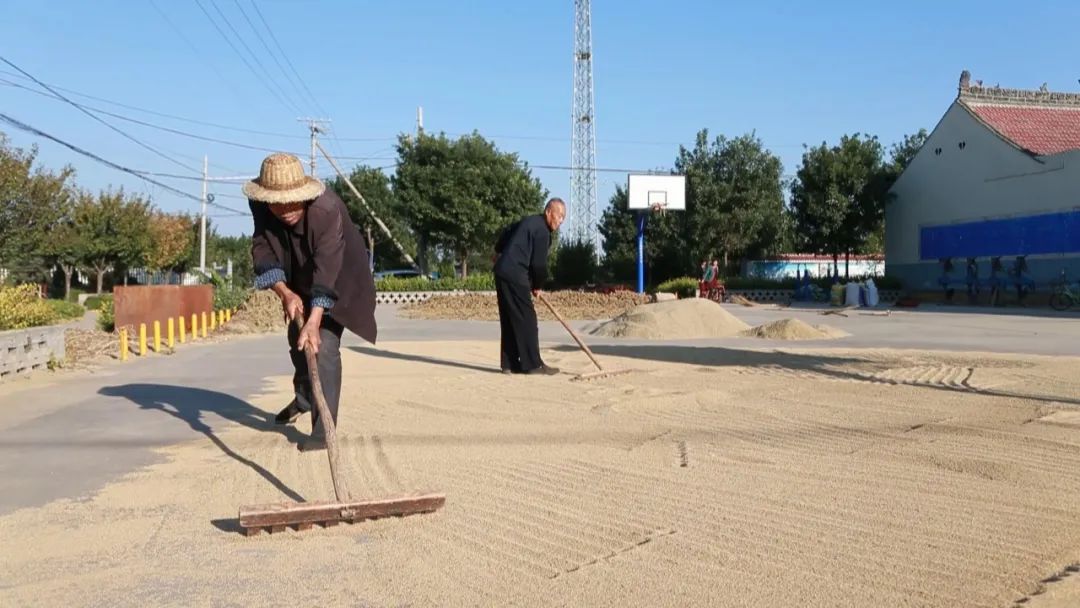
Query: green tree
(735, 199)
(574, 263)
(171, 241)
(66, 245)
(374, 185)
(458, 194)
(838, 196)
(666, 254)
(33, 202)
(116, 227)
(902, 153)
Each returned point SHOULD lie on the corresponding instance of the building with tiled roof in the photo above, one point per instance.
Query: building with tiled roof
(999, 176)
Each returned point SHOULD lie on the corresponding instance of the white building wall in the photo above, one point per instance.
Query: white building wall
(964, 173)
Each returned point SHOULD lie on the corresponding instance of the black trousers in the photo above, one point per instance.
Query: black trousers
(520, 343)
(329, 365)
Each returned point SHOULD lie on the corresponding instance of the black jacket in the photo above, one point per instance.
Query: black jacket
(323, 256)
(523, 251)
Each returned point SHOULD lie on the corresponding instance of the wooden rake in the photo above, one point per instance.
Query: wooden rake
(600, 371)
(277, 517)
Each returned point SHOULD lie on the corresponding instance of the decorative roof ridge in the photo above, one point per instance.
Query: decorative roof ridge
(978, 94)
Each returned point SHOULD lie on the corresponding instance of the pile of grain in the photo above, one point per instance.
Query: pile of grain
(261, 313)
(794, 329)
(681, 319)
(483, 307)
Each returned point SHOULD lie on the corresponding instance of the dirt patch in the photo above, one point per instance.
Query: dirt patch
(483, 307)
(794, 329)
(689, 318)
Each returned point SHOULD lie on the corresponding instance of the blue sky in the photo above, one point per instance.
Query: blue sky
(793, 72)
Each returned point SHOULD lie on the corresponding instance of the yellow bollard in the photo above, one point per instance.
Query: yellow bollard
(228, 315)
(221, 318)
(194, 326)
(204, 324)
(213, 320)
(142, 339)
(171, 342)
(183, 331)
(157, 336)
(123, 344)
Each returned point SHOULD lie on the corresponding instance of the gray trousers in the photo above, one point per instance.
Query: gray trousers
(329, 365)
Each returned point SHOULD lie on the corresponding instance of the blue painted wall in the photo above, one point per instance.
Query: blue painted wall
(1052, 233)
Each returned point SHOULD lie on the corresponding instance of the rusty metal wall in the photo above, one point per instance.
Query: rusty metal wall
(146, 304)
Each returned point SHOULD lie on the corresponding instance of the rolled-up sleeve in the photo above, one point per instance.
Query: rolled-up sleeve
(329, 256)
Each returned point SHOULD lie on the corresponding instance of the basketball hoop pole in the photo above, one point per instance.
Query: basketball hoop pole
(641, 252)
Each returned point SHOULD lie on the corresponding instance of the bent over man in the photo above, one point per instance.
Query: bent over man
(520, 267)
(307, 250)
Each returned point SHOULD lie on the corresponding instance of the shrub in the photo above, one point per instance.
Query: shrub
(575, 264)
(106, 317)
(20, 307)
(684, 287)
(474, 282)
(230, 297)
(95, 302)
(66, 310)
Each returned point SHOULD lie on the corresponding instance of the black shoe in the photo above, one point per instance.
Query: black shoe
(545, 370)
(289, 414)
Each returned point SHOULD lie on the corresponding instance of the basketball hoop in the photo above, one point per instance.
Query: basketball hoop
(659, 208)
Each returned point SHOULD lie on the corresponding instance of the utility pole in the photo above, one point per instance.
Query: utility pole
(202, 220)
(419, 120)
(315, 127)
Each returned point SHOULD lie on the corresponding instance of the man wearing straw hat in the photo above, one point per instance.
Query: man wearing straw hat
(307, 250)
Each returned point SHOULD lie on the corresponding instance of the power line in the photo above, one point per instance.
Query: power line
(191, 46)
(262, 41)
(97, 118)
(226, 38)
(258, 62)
(177, 131)
(287, 60)
(139, 174)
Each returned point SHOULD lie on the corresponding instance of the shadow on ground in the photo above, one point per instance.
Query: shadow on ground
(386, 354)
(192, 404)
(827, 366)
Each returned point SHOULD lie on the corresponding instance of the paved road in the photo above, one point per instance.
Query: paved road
(68, 435)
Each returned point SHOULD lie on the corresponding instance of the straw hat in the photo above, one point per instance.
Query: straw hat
(281, 180)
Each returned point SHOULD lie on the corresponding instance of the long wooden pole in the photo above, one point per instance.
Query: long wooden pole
(340, 490)
(573, 333)
(363, 202)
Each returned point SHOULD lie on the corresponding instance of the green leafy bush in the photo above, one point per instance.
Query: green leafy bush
(230, 297)
(106, 318)
(95, 302)
(684, 287)
(20, 307)
(66, 310)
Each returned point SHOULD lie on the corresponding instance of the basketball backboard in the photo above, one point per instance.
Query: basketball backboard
(667, 191)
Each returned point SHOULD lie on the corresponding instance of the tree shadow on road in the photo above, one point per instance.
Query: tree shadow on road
(189, 404)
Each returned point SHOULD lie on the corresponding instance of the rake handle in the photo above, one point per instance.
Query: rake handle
(340, 490)
(573, 334)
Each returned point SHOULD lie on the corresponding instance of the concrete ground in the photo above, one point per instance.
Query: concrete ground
(65, 435)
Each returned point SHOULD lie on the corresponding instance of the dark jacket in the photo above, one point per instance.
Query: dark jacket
(322, 258)
(523, 252)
